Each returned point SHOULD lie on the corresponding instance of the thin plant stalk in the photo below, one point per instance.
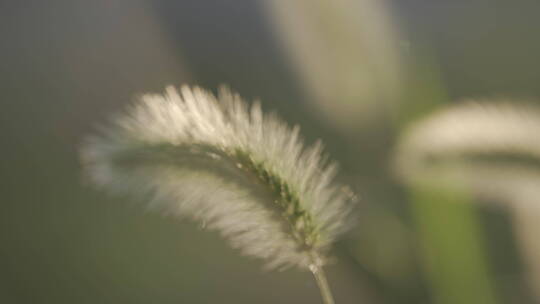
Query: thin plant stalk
(322, 283)
(449, 252)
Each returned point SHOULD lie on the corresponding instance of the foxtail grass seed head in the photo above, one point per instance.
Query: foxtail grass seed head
(492, 146)
(229, 166)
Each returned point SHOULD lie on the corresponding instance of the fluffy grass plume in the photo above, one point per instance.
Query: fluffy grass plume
(219, 161)
(491, 146)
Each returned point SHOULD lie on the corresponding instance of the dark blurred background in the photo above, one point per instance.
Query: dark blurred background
(353, 73)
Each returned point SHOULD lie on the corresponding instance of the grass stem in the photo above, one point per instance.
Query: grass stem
(322, 282)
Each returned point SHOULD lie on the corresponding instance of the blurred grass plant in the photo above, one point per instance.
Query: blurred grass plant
(347, 56)
(491, 149)
(452, 243)
(240, 172)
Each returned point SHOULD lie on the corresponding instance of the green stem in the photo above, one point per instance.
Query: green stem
(453, 244)
(320, 277)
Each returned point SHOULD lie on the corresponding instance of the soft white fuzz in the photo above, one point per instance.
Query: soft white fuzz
(229, 166)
